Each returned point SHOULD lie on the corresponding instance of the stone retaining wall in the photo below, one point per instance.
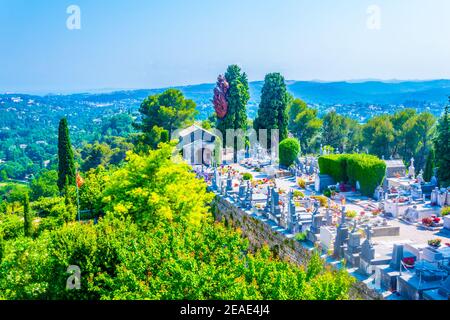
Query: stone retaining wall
(259, 233)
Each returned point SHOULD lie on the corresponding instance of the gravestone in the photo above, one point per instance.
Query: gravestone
(434, 180)
(323, 181)
(397, 256)
(434, 196)
(248, 197)
(242, 190)
(215, 180)
(268, 206)
(340, 242)
(379, 193)
(292, 214)
(275, 205)
(329, 217)
(367, 253)
(353, 252)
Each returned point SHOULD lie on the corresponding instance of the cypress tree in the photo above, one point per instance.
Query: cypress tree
(272, 112)
(66, 163)
(442, 148)
(237, 97)
(27, 217)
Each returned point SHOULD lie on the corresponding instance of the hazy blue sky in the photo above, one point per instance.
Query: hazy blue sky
(149, 43)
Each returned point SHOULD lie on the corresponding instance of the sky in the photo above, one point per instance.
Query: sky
(129, 44)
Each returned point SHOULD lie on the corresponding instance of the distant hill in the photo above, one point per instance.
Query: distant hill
(376, 92)
(350, 98)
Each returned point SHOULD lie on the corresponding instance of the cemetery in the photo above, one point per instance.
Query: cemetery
(379, 220)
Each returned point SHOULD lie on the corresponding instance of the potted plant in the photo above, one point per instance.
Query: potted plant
(409, 262)
(428, 222)
(435, 243)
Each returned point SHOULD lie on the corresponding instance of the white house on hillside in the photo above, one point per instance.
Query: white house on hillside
(197, 145)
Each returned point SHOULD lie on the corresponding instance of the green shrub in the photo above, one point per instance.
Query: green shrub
(289, 151)
(50, 223)
(445, 211)
(11, 226)
(44, 206)
(247, 176)
(334, 165)
(367, 169)
(300, 236)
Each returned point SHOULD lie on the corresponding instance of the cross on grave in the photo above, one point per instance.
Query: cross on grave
(341, 239)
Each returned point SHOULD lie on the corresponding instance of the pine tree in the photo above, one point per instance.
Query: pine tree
(429, 165)
(237, 97)
(27, 217)
(442, 147)
(272, 112)
(66, 163)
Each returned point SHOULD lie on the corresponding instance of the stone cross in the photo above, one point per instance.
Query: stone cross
(343, 216)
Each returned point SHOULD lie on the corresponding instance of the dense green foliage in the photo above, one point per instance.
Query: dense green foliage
(350, 168)
(289, 150)
(304, 124)
(404, 135)
(334, 130)
(66, 163)
(272, 112)
(158, 240)
(162, 114)
(442, 147)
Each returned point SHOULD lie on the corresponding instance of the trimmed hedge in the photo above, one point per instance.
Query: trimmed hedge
(334, 165)
(349, 168)
(289, 151)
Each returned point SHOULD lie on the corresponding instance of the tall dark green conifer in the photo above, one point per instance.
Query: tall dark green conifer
(237, 98)
(272, 112)
(27, 217)
(442, 148)
(66, 163)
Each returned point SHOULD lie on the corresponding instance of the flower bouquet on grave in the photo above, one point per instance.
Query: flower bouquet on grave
(409, 262)
(436, 221)
(376, 212)
(435, 243)
(427, 222)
